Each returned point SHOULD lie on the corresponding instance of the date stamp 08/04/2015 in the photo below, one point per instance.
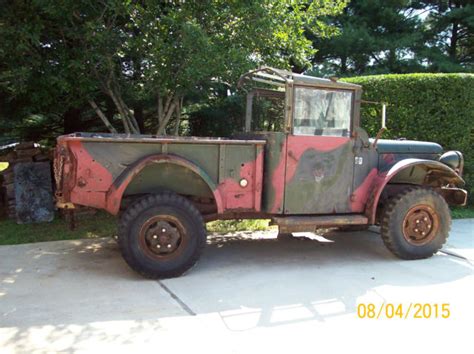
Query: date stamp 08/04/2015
(414, 310)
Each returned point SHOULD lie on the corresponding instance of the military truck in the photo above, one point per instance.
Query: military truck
(317, 169)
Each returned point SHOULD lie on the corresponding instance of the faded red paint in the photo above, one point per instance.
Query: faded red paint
(297, 145)
(389, 159)
(235, 196)
(91, 181)
(361, 194)
(378, 185)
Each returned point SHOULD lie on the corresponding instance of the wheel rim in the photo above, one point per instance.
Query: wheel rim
(162, 237)
(420, 225)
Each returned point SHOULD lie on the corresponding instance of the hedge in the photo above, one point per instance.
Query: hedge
(430, 107)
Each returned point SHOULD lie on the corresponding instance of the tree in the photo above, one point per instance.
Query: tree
(449, 35)
(398, 36)
(374, 36)
(145, 58)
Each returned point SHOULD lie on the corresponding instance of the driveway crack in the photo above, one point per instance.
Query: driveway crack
(176, 298)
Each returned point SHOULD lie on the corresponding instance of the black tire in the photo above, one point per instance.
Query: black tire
(144, 242)
(415, 223)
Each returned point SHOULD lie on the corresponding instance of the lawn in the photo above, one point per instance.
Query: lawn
(104, 225)
(91, 226)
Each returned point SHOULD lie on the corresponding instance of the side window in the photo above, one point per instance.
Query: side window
(322, 112)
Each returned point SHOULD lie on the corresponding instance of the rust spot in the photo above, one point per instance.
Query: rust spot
(81, 182)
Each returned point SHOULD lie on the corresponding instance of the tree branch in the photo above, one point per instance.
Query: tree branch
(102, 116)
(169, 113)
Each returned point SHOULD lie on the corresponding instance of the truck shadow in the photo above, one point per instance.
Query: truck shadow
(248, 283)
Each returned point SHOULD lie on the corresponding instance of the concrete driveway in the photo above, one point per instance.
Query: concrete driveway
(250, 293)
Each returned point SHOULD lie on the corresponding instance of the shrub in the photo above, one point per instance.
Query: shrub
(431, 107)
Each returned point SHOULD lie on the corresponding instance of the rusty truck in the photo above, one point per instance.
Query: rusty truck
(318, 169)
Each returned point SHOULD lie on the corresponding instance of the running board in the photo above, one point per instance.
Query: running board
(289, 224)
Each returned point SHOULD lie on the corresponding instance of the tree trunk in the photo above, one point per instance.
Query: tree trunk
(178, 108)
(453, 45)
(138, 114)
(454, 38)
(102, 116)
(343, 65)
(165, 110)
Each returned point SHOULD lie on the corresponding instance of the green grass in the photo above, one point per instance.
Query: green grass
(99, 225)
(224, 226)
(466, 212)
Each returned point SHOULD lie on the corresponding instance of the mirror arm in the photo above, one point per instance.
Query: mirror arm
(384, 127)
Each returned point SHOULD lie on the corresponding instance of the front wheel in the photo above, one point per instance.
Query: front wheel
(416, 223)
(161, 235)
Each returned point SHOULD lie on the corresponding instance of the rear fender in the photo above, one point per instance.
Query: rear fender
(415, 172)
(116, 191)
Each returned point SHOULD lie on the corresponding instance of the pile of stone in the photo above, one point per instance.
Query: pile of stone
(23, 152)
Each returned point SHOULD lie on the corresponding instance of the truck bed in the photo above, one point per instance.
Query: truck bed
(99, 170)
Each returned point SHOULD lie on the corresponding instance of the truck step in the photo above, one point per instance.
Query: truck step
(289, 224)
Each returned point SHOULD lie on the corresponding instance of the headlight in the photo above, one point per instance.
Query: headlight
(453, 159)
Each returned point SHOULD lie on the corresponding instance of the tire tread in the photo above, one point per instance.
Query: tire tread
(134, 210)
(390, 210)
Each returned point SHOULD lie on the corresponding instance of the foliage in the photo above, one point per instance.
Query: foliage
(225, 117)
(225, 226)
(463, 213)
(449, 32)
(430, 107)
(398, 36)
(373, 37)
(136, 62)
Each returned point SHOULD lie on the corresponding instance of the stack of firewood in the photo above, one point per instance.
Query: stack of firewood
(23, 152)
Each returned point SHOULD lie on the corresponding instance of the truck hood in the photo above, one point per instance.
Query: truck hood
(407, 146)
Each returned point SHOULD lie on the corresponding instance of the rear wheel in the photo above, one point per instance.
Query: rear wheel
(415, 223)
(162, 235)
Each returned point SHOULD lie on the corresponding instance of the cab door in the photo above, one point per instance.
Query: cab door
(320, 157)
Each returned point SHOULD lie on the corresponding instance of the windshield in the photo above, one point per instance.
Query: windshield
(322, 112)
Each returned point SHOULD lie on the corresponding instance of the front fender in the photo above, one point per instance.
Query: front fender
(412, 171)
(116, 191)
